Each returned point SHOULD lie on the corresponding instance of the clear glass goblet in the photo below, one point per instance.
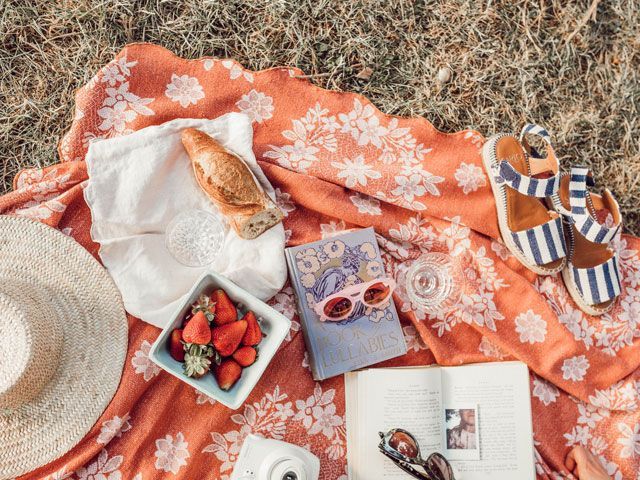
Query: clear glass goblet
(434, 282)
(195, 237)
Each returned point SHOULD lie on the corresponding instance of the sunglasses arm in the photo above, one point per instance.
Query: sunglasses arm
(408, 468)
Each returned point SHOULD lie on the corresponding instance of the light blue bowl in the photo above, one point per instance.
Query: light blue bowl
(274, 325)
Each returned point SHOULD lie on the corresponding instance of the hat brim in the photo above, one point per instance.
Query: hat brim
(80, 292)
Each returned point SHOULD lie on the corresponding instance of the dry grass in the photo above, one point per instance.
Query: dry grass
(512, 61)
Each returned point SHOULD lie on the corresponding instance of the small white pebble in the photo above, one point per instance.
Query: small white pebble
(444, 75)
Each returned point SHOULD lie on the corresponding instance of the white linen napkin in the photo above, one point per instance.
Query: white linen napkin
(137, 184)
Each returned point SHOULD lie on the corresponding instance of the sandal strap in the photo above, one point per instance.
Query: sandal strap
(598, 284)
(542, 244)
(532, 187)
(532, 128)
(537, 162)
(579, 215)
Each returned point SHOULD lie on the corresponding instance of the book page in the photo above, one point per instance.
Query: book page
(351, 410)
(392, 398)
(502, 419)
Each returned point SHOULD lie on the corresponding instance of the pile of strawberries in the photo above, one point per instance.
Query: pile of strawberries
(212, 333)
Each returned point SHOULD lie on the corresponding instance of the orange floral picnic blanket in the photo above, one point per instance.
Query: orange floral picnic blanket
(337, 163)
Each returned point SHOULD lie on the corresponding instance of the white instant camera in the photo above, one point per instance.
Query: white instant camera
(266, 459)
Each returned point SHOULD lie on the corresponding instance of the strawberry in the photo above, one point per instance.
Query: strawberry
(176, 349)
(253, 335)
(187, 319)
(227, 373)
(225, 309)
(197, 330)
(245, 356)
(226, 338)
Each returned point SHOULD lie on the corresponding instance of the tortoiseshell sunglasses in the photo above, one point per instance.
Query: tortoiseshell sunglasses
(402, 448)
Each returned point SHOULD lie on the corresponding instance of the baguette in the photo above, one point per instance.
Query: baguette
(230, 184)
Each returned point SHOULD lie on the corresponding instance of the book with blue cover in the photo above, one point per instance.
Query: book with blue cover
(369, 335)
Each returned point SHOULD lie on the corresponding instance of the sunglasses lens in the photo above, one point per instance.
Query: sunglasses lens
(440, 466)
(376, 293)
(404, 444)
(337, 307)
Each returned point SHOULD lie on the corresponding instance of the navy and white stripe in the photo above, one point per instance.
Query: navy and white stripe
(578, 190)
(533, 129)
(542, 244)
(580, 217)
(598, 284)
(532, 187)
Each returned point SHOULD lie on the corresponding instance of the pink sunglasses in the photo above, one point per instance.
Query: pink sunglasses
(340, 305)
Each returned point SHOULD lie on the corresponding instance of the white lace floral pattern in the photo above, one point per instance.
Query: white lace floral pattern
(366, 204)
(544, 391)
(285, 303)
(531, 327)
(319, 133)
(236, 71)
(355, 171)
(114, 428)
(284, 202)
(629, 439)
(104, 468)
(470, 177)
(202, 399)
(257, 105)
(184, 90)
(413, 339)
(575, 368)
(45, 190)
(490, 350)
(332, 228)
(171, 454)
(143, 364)
(120, 106)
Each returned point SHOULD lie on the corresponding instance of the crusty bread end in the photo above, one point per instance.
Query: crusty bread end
(257, 224)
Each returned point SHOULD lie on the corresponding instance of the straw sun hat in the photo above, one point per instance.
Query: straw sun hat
(63, 340)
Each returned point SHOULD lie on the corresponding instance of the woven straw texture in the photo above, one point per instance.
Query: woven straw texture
(31, 340)
(44, 273)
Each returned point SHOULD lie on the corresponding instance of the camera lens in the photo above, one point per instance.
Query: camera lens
(287, 468)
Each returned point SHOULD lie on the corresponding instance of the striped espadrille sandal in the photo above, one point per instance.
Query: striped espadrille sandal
(521, 179)
(592, 275)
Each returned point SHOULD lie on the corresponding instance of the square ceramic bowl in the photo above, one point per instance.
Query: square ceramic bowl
(273, 324)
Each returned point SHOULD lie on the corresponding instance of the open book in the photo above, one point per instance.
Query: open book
(477, 416)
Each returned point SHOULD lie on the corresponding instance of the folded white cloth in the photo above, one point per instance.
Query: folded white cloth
(137, 184)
